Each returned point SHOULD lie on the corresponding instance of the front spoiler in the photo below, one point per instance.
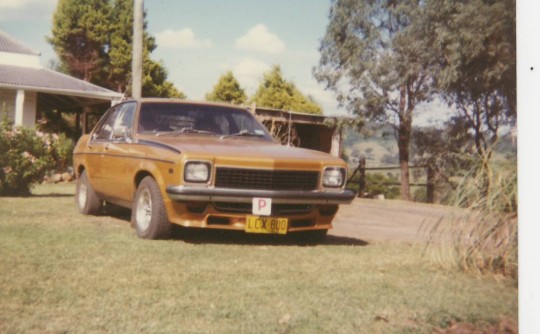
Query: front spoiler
(182, 193)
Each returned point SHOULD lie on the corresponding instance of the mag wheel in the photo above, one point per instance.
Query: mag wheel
(148, 214)
(87, 200)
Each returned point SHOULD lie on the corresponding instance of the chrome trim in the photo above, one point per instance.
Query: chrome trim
(182, 193)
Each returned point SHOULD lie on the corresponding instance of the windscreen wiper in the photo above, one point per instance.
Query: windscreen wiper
(242, 133)
(184, 130)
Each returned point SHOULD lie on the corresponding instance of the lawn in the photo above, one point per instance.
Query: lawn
(63, 272)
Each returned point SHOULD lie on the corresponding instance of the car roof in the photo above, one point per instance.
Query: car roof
(181, 101)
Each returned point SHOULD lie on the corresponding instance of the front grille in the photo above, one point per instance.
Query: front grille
(266, 179)
(277, 209)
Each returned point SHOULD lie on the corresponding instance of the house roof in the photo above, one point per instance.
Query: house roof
(55, 90)
(8, 44)
(43, 79)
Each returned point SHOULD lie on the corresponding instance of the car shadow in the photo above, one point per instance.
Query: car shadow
(207, 236)
(229, 237)
(51, 195)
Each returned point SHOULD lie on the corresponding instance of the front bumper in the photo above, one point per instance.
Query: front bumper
(182, 193)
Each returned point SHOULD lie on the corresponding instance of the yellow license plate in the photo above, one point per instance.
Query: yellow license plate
(257, 224)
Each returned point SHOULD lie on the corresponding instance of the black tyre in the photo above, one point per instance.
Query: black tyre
(148, 214)
(87, 200)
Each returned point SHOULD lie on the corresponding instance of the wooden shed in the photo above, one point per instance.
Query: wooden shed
(303, 130)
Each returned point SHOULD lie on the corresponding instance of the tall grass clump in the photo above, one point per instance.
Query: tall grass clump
(484, 237)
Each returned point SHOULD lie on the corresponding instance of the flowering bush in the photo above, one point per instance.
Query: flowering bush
(26, 155)
(62, 150)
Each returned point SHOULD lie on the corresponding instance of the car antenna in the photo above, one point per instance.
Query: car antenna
(124, 98)
(289, 129)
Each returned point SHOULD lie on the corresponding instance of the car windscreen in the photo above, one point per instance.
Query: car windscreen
(195, 118)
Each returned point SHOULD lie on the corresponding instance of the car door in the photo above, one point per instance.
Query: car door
(108, 147)
(119, 160)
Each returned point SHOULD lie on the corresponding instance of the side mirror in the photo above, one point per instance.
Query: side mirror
(120, 132)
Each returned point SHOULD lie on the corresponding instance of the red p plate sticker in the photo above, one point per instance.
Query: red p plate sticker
(262, 206)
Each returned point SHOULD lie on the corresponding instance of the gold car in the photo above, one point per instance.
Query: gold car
(208, 166)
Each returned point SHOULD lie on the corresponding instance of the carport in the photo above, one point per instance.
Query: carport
(27, 89)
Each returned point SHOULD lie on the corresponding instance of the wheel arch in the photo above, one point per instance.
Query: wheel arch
(140, 175)
(79, 169)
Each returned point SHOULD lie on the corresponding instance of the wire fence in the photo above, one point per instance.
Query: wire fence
(362, 180)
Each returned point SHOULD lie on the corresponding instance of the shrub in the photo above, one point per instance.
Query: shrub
(25, 157)
(62, 151)
(420, 195)
(53, 121)
(377, 184)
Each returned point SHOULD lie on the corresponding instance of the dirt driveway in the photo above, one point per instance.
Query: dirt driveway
(374, 220)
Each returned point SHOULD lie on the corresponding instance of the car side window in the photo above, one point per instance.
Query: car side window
(120, 116)
(125, 120)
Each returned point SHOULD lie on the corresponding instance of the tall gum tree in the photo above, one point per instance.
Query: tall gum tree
(475, 47)
(375, 56)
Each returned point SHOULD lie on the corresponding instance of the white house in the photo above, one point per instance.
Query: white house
(27, 88)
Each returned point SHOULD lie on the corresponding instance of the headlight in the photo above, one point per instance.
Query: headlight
(197, 171)
(333, 177)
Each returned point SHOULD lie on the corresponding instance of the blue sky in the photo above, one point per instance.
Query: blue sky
(198, 41)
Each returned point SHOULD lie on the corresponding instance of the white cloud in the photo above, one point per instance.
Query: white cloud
(326, 98)
(260, 39)
(181, 39)
(249, 73)
(20, 4)
(11, 4)
(12, 10)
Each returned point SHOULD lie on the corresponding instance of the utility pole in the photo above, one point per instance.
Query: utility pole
(137, 63)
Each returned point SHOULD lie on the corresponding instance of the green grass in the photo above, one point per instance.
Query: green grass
(62, 272)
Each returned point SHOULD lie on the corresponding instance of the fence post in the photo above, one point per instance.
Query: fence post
(430, 188)
(362, 178)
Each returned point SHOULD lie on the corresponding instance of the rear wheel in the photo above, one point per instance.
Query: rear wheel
(87, 200)
(148, 214)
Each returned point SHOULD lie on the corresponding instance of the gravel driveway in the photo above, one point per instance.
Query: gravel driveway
(373, 220)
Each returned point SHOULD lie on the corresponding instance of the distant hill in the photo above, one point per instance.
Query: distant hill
(374, 142)
(377, 143)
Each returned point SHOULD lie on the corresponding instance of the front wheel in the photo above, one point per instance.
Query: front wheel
(148, 214)
(87, 200)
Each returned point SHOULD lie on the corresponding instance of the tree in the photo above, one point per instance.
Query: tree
(448, 151)
(121, 45)
(477, 58)
(80, 33)
(276, 92)
(228, 90)
(93, 40)
(376, 58)
(121, 40)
